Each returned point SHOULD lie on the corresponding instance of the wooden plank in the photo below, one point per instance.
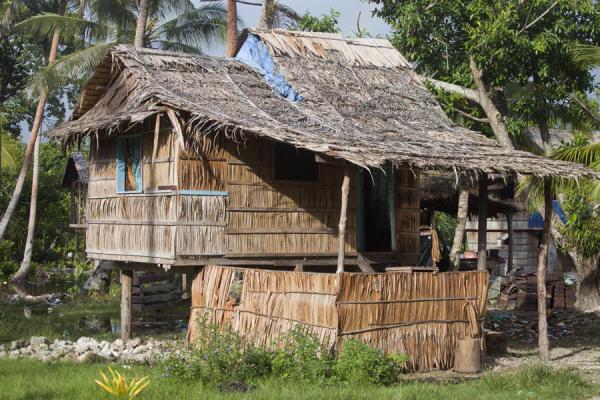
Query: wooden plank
(153, 277)
(154, 298)
(154, 289)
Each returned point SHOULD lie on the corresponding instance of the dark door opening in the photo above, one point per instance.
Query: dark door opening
(376, 203)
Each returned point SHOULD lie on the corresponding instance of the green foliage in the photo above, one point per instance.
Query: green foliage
(582, 229)
(358, 363)
(518, 45)
(219, 356)
(446, 226)
(301, 358)
(32, 379)
(327, 22)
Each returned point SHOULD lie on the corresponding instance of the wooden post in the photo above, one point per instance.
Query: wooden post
(482, 224)
(231, 27)
(541, 273)
(126, 277)
(511, 245)
(343, 219)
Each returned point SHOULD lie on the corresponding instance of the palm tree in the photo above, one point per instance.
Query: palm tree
(277, 15)
(175, 25)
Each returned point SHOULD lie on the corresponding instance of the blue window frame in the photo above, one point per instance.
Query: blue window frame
(129, 164)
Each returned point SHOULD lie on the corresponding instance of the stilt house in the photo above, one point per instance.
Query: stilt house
(303, 151)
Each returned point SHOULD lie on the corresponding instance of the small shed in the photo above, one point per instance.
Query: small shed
(302, 152)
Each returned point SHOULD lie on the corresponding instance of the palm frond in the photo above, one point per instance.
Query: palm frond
(588, 155)
(11, 149)
(204, 25)
(586, 56)
(71, 27)
(286, 17)
(176, 46)
(72, 68)
(166, 9)
(119, 13)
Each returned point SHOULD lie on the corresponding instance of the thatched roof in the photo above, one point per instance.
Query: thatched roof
(77, 170)
(361, 102)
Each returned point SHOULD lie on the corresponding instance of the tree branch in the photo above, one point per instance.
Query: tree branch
(542, 15)
(453, 88)
(585, 108)
(474, 118)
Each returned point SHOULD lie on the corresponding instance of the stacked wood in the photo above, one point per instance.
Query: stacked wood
(152, 291)
(520, 293)
(422, 315)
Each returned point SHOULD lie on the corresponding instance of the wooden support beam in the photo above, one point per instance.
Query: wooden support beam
(343, 219)
(542, 267)
(511, 239)
(482, 224)
(126, 278)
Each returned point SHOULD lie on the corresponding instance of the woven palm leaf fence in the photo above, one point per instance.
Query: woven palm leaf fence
(418, 314)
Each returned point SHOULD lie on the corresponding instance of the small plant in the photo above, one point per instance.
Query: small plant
(358, 363)
(302, 358)
(218, 357)
(119, 388)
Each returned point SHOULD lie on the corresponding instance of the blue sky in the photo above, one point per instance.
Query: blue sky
(349, 10)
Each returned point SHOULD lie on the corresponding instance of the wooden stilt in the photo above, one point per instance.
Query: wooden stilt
(343, 219)
(126, 278)
(541, 273)
(482, 224)
(511, 238)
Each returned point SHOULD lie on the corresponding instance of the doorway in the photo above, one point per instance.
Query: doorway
(375, 210)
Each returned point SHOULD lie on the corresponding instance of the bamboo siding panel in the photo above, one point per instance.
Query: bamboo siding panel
(135, 240)
(157, 174)
(102, 188)
(99, 170)
(204, 209)
(291, 219)
(211, 299)
(200, 240)
(131, 208)
(103, 149)
(419, 314)
(306, 242)
(202, 175)
(286, 196)
(165, 148)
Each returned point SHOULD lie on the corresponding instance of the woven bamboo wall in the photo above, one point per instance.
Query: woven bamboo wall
(408, 203)
(132, 227)
(419, 314)
(280, 217)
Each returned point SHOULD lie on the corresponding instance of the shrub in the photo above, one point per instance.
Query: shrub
(7, 268)
(302, 358)
(219, 357)
(358, 363)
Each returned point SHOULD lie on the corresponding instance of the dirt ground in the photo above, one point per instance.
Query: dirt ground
(574, 340)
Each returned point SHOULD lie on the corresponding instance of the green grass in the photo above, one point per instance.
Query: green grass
(30, 379)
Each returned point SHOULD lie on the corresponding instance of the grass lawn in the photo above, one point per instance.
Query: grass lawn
(30, 379)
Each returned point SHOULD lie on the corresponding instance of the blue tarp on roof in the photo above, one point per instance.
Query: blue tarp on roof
(537, 221)
(255, 54)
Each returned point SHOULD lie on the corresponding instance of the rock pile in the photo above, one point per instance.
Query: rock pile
(85, 350)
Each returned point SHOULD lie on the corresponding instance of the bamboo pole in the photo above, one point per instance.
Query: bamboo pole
(126, 277)
(482, 224)
(343, 219)
(542, 266)
(511, 248)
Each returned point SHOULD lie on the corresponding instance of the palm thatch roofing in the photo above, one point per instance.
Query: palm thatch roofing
(362, 102)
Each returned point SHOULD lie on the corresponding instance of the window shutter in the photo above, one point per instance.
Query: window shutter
(121, 168)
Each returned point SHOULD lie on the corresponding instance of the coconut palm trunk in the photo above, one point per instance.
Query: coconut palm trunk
(37, 122)
(21, 274)
(140, 28)
(459, 233)
(231, 27)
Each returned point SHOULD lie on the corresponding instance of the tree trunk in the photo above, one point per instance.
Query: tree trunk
(21, 274)
(126, 278)
(459, 233)
(542, 119)
(489, 108)
(231, 27)
(267, 15)
(37, 122)
(588, 295)
(343, 219)
(542, 268)
(140, 28)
